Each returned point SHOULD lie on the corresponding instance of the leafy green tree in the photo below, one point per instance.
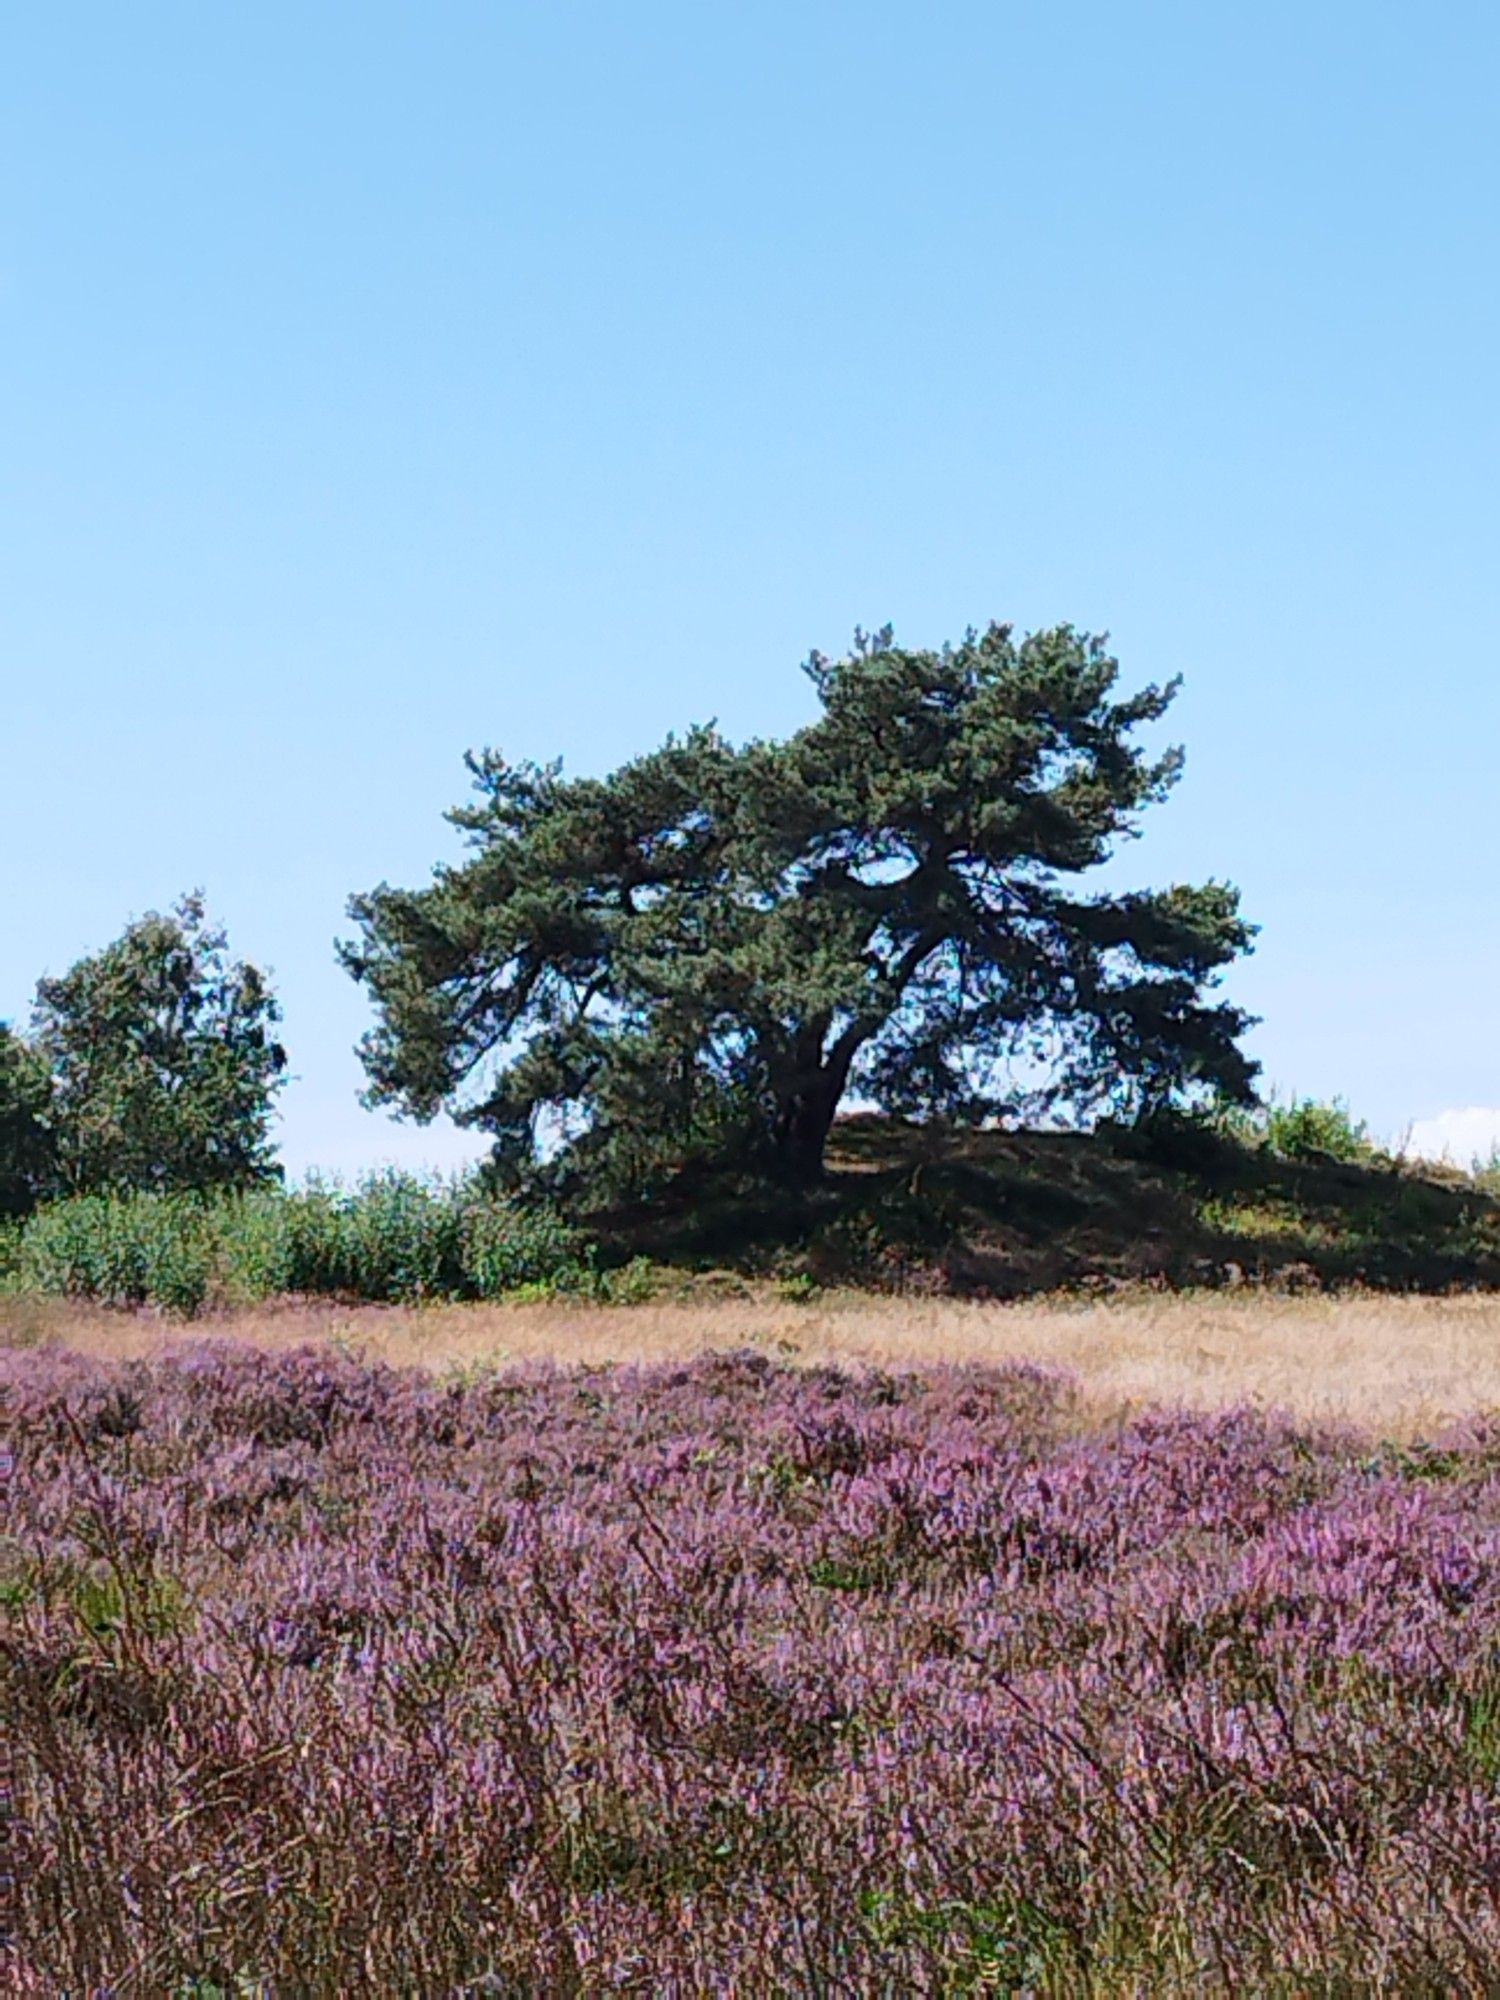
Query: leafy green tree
(28, 1148)
(714, 945)
(163, 1059)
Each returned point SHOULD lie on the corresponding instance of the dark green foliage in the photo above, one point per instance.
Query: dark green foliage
(712, 945)
(28, 1151)
(163, 1060)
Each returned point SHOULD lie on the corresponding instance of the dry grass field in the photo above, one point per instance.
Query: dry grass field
(1399, 1365)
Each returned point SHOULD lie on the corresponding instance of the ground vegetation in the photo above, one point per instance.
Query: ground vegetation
(328, 1678)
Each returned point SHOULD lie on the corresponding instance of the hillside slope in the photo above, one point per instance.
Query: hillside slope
(1003, 1214)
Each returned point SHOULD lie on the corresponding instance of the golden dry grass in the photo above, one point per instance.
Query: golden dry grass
(1399, 1365)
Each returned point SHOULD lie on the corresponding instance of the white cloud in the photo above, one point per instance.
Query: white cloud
(1460, 1136)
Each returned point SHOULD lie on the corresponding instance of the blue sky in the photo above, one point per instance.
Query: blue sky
(386, 380)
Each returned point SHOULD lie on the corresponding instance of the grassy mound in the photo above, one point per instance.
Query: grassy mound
(1004, 1214)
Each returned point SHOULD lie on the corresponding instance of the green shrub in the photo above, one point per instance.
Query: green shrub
(10, 1253)
(401, 1239)
(633, 1284)
(254, 1249)
(504, 1247)
(392, 1237)
(1305, 1129)
(122, 1249)
(319, 1251)
(799, 1289)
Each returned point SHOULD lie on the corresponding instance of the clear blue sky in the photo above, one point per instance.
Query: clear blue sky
(385, 380)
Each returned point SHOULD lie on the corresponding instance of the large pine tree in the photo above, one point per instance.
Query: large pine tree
(716, 945)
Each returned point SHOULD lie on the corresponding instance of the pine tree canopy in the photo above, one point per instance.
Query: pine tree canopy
(713, 947)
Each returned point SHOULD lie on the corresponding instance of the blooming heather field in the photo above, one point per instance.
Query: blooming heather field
(331, 1678)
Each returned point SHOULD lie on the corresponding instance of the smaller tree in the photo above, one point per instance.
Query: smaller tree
(28, 1146)
(163, 1060)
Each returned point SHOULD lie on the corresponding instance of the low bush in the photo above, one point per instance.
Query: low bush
(1307, 1129)
(393, 1237)
(122, 1249)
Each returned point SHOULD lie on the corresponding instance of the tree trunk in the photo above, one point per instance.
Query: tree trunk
(805, 1114)
(803, 1123)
